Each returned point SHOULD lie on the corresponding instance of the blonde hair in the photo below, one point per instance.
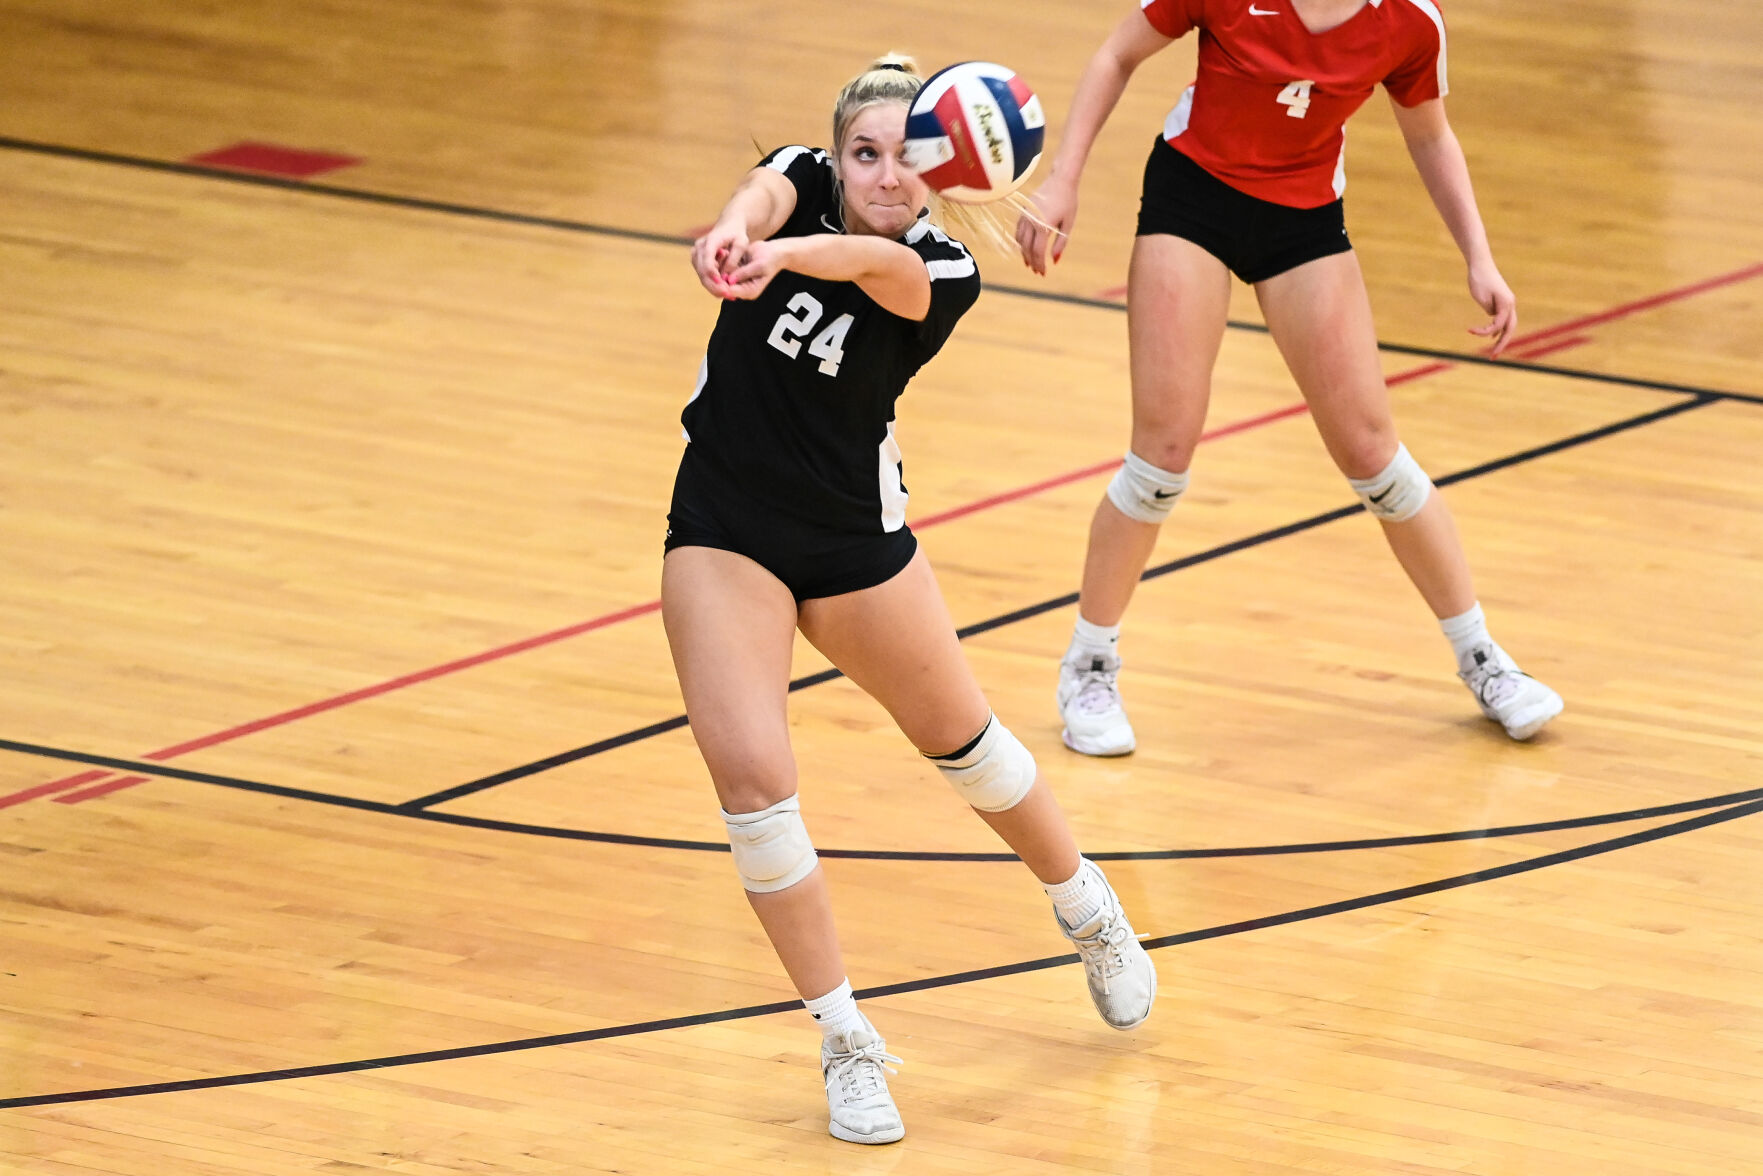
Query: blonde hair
(894, 77)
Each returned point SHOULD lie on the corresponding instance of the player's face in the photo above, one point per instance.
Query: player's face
(882, 194)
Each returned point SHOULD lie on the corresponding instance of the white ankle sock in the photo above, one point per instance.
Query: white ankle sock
(1466, 630)
(836, 1012)
(1088, 640)
(1080, 897)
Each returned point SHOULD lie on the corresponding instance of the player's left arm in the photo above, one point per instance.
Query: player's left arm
(1438, 156)
(889, 272)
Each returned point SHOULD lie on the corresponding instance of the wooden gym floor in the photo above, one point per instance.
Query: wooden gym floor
(348, 819)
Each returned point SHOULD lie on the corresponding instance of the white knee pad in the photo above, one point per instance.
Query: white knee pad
(1398, 492)
(771, 847)
(1142, 491)
(993, 772)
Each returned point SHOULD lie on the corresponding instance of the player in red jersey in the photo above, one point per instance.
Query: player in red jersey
(1247, 179)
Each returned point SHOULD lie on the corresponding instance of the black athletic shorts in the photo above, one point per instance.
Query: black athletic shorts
(812, 560)
(1255, 238)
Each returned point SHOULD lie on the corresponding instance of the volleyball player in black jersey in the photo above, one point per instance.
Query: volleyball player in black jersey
(789, 513)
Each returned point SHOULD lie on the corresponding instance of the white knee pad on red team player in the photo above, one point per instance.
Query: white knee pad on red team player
(993, 772)
(1144, 493)
(771, 847)
(1398, 492)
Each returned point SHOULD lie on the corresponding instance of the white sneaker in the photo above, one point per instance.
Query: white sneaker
(1121, 976)
(856, 1091)
(1089, 702)
(1506, 694)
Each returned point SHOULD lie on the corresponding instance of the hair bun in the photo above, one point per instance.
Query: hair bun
(897, 61)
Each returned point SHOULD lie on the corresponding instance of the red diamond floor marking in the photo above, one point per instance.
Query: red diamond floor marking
(269, 159)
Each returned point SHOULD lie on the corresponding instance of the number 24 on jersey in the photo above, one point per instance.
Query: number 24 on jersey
(804, 313)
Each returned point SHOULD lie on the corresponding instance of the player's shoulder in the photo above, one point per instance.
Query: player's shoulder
(798, 157)
(1423, 17)
(1187, 13)
(944, 256)
(1211, 13)
(810, 171)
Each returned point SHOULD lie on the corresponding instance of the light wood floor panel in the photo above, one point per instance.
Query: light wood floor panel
(267, 446)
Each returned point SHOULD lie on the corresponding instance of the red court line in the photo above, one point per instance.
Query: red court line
(1640, 304)
(53, 786)
(543, 639)
(97, 790)
(366, 692)
(1104, 467)
(272, 159)
(1549, 348)
(1412, 374)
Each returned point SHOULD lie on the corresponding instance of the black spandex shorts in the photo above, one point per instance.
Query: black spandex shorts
(1256, 238)
(812, 560)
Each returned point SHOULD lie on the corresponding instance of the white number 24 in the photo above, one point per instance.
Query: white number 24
(828, 346)
(1296, 98)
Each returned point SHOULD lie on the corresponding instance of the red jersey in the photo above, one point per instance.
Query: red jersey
(1267, 113)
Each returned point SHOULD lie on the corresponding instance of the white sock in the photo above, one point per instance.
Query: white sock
(1088, 641)
(836, 1012)
(1468, 631)
(1080, 897)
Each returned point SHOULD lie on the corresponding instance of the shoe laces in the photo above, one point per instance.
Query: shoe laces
(1104, 951)
(1493, 682)
(1096, 690)
(859, 1072)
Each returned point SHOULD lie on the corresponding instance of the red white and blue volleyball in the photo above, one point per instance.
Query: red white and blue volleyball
(974, 132)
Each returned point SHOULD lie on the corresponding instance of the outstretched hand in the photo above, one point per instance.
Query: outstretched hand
(1045, 233)
(1493, 295)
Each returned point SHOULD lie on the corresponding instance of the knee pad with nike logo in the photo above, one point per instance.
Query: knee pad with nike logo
(1142, 492)
(1398, 492)
(993, 772)
(771, 847)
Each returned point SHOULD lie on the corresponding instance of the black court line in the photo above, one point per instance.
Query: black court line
(471, 787)
(1548, 369)
(279, 183)
(1285, 918)
(146, 768)
(565, 224)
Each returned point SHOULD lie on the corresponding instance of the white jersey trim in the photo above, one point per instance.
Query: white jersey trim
(893, 492)
(954, 267)
(964, 268)
(703, 378)
(782, 161)
(1177, 122)
(1438, 20)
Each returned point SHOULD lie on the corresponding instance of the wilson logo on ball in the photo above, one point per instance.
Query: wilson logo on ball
(974, 132)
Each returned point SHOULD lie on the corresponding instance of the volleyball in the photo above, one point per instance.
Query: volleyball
(974, 132)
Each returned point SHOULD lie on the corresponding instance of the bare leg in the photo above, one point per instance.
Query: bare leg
(731, 626)
(1321, 319)
(897, 642)
(1178, 297)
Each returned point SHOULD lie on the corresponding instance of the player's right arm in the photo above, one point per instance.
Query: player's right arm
(892, 274)
(1098, 91)
(760, 205)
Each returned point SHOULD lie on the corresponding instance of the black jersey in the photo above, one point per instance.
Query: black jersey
(795, 401)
